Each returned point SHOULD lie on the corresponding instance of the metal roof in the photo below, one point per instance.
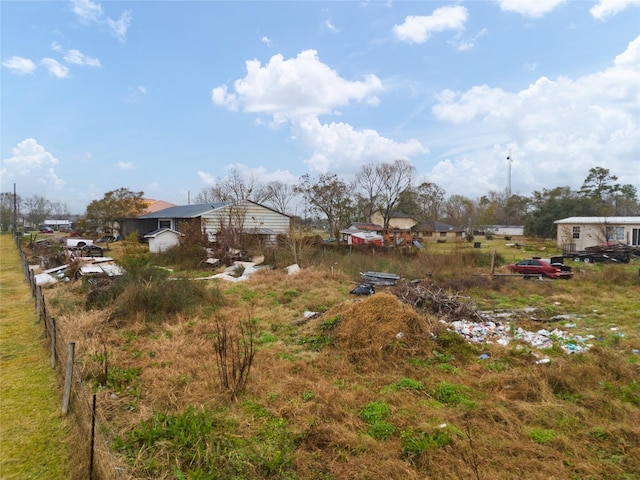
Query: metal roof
(601, 220)
(185, 211)
(157, 232)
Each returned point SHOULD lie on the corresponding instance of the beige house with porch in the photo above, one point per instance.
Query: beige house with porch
(578, 233)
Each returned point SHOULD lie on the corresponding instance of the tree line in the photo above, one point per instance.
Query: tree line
(388, 188)
(32, 210)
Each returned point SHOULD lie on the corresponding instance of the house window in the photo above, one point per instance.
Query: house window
(164, 224)
(615, 234)
(443, 234)
(428, 234)
(576, 232)
(635, 237)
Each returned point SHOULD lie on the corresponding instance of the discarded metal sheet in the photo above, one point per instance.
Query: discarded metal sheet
(380, 278)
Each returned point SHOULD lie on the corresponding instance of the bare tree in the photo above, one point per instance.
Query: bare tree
(459, 210)
(37, 209)
(279, 195)
(430, 198)
(233, 187)
(394, 178)
(59, 209)
(7, 209)
(368, 179)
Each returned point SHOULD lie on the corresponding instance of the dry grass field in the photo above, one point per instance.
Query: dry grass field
(212, 379)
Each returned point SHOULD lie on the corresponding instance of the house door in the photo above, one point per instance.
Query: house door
(635, 237)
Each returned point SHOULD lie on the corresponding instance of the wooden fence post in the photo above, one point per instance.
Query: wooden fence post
(93, 436)
(493, 261)
(53, 342)
(68, 379)
(38, 303)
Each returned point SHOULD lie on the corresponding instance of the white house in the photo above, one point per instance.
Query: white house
(578, 233)
(221, 218)
(163, 239)
(507, 230)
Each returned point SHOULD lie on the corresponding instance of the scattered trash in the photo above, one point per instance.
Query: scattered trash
(543, 361)
(485, 356)
(364, 289)
(293, 269)
(496, 332)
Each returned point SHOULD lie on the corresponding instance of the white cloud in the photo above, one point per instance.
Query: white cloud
(125, 165)
(553, 123)
(607, 8)
(298, 86)
(330, 26)
(261, 173)
(86, 10)
(32, 162)
(339, 148)
(206, 178)
(19, 65)
(119, 27)
(91, 12)
(297, 91)
(76, 57)
(530, 8)
(418, 29)
(55, 68)
(266, 40)
(462, 44)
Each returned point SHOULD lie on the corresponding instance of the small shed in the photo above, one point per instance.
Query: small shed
(163, 239)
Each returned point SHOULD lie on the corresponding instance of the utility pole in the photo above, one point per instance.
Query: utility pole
(15, 211)
(509, 162)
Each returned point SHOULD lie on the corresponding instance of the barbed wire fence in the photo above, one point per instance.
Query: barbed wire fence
(77, 400)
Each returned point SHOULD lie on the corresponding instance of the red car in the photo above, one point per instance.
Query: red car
(537, 267)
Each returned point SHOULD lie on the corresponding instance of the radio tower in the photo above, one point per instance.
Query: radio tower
(509, 161)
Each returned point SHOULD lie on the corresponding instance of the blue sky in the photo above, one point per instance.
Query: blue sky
(165, 97)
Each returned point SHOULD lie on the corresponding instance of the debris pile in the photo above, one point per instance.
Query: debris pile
(435, 300)
(496, 332)
(380, 326)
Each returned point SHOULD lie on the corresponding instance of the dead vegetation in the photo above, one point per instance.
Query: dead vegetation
(436, 408)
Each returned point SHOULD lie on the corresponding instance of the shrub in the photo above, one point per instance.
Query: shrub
(416, 444)
(451, 394)
(375, 413)
(542, 436)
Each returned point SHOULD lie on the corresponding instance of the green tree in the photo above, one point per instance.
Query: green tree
(110, 211)
(329, 196)
(550, 205)
(626, 201)
(599, 183)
